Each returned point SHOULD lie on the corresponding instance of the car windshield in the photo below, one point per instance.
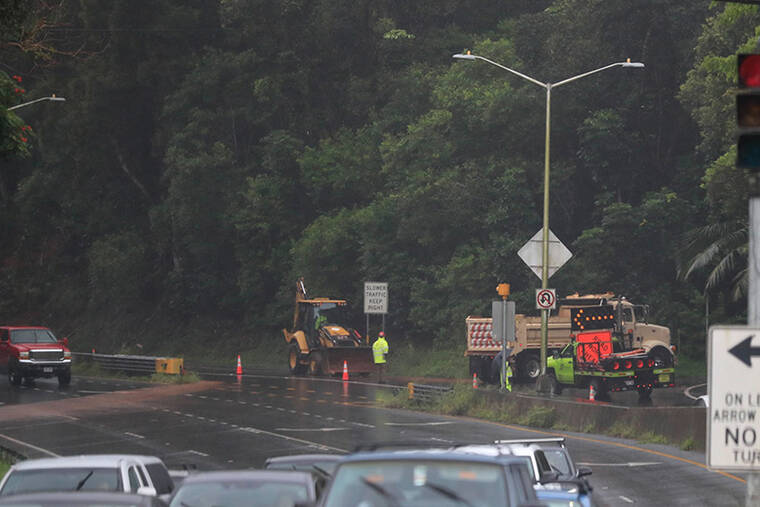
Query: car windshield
(62, 479)
(419, 483)
(559, 462)
(250, 494)
(32, 336)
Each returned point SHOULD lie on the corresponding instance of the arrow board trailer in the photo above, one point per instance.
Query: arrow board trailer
(733, 415)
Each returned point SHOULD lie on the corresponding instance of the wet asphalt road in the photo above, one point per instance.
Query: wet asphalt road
(238, 424)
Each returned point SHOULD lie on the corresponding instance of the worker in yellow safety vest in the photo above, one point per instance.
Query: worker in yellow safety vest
(506, 376)
(379, 351)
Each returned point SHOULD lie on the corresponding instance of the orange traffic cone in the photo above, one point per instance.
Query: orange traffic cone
(474, 380)
(239, 370)
(345, 370)
(591, 392)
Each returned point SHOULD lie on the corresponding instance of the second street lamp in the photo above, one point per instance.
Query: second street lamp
(541, 383)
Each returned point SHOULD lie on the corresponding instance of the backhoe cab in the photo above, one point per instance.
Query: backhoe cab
(319, 342)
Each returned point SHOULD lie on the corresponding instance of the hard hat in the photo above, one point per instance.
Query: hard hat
(381, 333)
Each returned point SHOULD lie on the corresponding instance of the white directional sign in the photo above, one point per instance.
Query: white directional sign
(733, 414)
(546, 299)
(532, 253)
(375, 297)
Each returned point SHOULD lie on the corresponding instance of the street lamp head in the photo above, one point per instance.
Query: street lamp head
(463, 56)
(634, 65)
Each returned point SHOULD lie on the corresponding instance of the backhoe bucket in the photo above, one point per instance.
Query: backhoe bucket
(359, 360)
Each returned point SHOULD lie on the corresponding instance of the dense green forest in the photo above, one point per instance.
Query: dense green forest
(209, 152)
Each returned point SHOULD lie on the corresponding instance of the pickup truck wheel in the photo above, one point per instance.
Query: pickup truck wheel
(14, 378)
(294, 360)
(64, 379)
(529, 366)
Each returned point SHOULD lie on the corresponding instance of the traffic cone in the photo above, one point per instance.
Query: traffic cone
(239, 370)
(591, 392)
(345, 370)
(474, 380)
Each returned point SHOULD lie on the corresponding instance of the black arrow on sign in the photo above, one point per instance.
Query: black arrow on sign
(744, 351)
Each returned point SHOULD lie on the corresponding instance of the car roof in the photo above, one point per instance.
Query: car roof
(12, 328)
(86, 460)
(304, 458)
(76, 498)
(250, 475)
(433, 454)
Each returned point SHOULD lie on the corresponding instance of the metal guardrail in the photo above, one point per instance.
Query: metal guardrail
(134, 364)
(425, 392)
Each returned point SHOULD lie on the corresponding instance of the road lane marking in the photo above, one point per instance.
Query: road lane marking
(434, 423)
(631, 464)
(27, 444)
(257, 431)
(625, 499)
(311, 429)
(133, 434)
(199, 453)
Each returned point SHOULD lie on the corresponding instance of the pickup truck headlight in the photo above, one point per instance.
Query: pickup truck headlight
(23, 355)
(67, 354)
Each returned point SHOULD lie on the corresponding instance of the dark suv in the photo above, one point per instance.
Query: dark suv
(32, 352)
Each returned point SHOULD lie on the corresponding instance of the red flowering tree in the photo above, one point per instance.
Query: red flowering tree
(14, 134)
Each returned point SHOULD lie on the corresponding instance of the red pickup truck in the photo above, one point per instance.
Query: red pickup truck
(32, 352)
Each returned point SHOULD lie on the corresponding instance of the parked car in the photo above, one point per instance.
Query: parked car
(429, 477)
(249, 488)
(33, 352)
(320, 466)
(128, 473)
(81, 499)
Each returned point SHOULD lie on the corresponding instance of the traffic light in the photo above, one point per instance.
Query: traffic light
(748, 118)
(590, 318)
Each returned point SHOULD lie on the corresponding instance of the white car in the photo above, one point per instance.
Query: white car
(129, 473)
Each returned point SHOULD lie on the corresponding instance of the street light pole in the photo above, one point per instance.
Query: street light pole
(540, 384)
(52, 98)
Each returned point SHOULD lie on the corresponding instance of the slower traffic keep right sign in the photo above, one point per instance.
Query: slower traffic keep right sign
(733, 414)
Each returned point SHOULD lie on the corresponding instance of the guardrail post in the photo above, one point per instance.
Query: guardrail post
(410, 387)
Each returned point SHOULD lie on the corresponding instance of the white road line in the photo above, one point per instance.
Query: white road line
(631, 464)
(436, 423)
(626, 499)
(311, 429)
(199, 453)
(363, 425)
(133, 434)
(26, 444)
(292, 439)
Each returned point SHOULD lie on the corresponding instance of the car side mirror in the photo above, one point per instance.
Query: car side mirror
(584, 471)
(548, 477)
(146, 490)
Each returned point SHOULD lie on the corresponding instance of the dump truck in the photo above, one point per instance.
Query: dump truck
(590, 360)
(631, 330)
(319, 341)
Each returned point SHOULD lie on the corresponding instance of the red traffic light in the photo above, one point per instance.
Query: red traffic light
(749, 71)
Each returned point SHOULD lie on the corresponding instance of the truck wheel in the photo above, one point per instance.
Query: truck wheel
(294, 360)
(315, 364)
(64, 378)
(662, 357)
(14, 378)
(529, 366)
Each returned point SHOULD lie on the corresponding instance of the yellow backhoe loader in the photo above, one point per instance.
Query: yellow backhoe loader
(319, 342)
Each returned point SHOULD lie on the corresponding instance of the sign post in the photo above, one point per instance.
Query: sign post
(544, 254)
(503, 325)
(375, 301)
